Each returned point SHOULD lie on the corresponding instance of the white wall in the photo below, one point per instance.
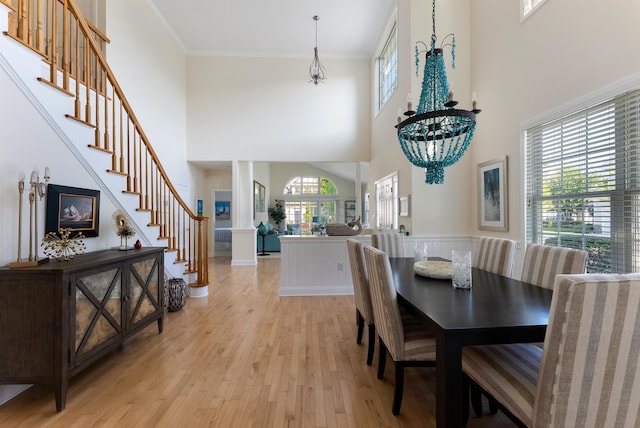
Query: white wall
(150, 66)
(440, 209)
(563, 52)
(386, 154)
(29, 143)
(263, 109)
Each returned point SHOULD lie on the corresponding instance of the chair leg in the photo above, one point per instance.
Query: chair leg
(397, 390)
(476, 399)
(493, 406)
(382, 358)
(360, 322)
(372, 343)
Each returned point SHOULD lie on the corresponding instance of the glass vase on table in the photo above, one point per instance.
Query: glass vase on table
(461, 269)
(420, 252)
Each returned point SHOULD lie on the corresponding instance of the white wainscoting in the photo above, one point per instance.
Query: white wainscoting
(440, 246)
(319, 265)
(316, 265)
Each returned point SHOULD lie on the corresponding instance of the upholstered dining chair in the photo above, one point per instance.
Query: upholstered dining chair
(541, 265)
(543, 262)
(494, 255)
(362, 295)
(587, 372)
(409, 344)
(390, 242)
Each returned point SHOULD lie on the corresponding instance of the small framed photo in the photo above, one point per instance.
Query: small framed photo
(72, 208)
(493, 210)
(403, 208)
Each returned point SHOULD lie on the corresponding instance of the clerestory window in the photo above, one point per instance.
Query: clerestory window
(388, 68)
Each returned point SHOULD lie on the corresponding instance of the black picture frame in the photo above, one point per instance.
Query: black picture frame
(72, 208)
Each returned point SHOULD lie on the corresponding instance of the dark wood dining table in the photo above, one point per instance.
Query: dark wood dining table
(496, 309)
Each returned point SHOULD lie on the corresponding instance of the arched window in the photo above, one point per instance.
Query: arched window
(310, 203)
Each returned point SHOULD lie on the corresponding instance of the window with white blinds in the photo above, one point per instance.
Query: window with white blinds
(583, 183)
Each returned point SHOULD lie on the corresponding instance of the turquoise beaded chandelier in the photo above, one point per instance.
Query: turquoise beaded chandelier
(436, 135)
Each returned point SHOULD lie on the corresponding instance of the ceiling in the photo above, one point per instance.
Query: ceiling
(277, 28)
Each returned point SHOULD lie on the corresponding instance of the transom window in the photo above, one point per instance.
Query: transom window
(583, 183)
(310, 185)
(388, 68)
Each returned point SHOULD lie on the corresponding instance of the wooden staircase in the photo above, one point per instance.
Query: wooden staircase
(72, 50)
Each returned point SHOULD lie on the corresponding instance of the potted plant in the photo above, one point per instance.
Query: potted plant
(277, 213)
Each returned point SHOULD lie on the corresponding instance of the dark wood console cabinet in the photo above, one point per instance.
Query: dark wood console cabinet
(59, 317)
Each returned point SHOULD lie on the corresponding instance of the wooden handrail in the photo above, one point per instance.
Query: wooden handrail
(74, 51)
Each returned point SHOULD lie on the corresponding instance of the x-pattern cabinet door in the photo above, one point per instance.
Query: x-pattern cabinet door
(96, 311)
(144, 292)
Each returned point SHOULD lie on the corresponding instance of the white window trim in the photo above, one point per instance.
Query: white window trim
(391, 22)
(524, 16)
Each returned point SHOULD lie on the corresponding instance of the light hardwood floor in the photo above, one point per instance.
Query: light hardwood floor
(242, 357)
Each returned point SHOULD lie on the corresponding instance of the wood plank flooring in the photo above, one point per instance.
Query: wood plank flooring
(242, 357)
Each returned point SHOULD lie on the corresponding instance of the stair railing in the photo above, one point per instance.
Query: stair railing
(57, 30)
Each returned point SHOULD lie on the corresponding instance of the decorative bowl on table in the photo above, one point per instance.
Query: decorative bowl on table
(433, 269)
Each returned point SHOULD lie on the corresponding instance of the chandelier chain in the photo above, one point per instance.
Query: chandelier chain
(433, 18)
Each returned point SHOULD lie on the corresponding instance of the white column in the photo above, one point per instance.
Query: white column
(244, 249)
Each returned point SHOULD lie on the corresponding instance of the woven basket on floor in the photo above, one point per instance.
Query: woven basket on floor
(176, 295)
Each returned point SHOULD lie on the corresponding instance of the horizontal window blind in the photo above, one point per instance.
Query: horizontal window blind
(583, 183)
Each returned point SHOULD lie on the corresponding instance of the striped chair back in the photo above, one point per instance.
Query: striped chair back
(391, 243)
(494, 255)
(360, 279)
(542, 263)
(384, 299)
(590, 368)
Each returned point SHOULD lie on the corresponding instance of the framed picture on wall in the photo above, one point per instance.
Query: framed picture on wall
(493, 210)
(199, 207)
(259, 202)
(223, 210)
(72, 208)
(403, 208)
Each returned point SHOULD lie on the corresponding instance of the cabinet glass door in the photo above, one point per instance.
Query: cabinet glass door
(144, 289)
(98, 309)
